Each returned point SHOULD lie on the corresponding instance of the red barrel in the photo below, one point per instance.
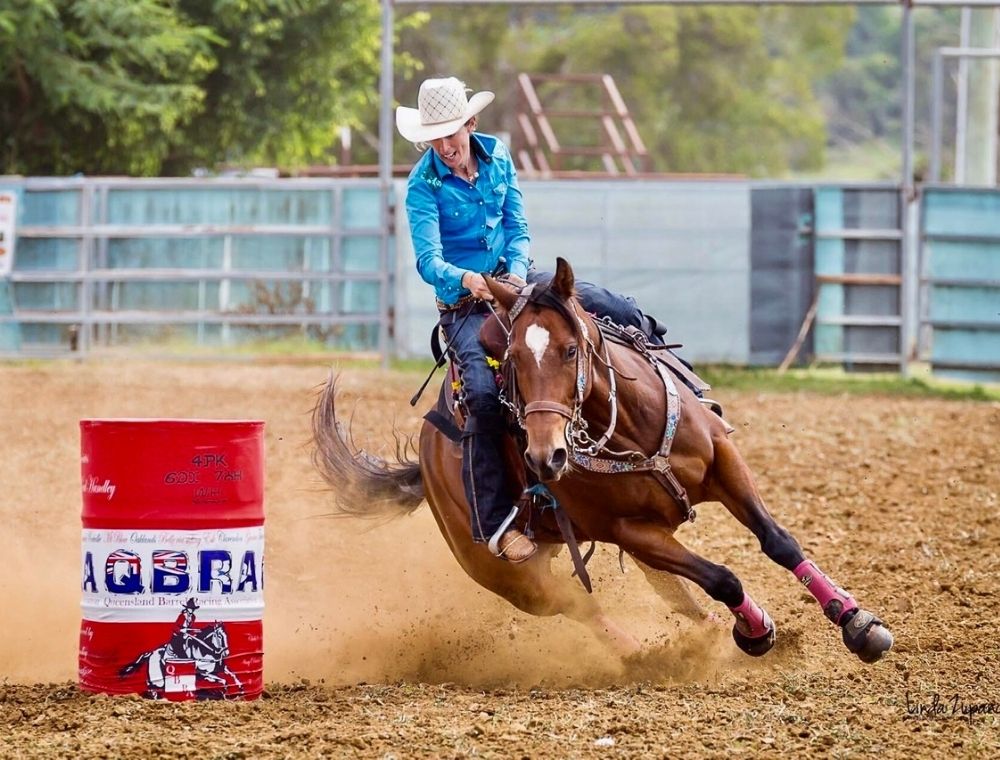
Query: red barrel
(173, 558)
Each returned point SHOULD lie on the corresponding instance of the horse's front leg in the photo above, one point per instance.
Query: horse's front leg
(530, 586)
(675, 592)
(731, 482)
(653, 544)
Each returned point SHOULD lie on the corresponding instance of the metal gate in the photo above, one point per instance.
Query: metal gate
(960, 282)
(199, 262)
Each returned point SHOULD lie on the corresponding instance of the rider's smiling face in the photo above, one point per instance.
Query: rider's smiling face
(454, 149)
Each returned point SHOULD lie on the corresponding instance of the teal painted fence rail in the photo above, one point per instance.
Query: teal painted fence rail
(960, 282)
(858, 268)
(105, 262)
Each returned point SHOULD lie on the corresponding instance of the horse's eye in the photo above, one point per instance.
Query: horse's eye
(571, 351)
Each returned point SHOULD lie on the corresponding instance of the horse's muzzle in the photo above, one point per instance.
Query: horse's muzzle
(548, 466)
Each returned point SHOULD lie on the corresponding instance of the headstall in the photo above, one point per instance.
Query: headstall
(585, 452)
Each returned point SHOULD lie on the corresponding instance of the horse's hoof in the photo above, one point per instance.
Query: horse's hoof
(755, 647)
(866, 636)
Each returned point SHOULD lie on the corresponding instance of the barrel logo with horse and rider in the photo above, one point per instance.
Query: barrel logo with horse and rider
(172, 558)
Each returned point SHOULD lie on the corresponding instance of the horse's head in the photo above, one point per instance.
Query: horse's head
(548, 349)
(218, 636)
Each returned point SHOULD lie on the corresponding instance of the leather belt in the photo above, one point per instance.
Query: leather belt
(446, 307)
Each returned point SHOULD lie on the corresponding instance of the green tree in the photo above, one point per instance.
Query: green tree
(864, 96)
(288, 73)
(712, 89)
(96, 85)
(164, 86)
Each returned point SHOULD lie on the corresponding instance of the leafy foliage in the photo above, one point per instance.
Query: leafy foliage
(151, 86)
(96, 84)
(288, 72)
(863, 97)
(166, 86)
(712, 89)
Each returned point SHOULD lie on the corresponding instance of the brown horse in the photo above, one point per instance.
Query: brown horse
(660, 452)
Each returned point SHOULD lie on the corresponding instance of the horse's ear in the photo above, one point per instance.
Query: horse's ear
(563, 281)
(503, 295)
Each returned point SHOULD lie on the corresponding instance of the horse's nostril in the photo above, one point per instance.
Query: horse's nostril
(530, 461)
(558, 459)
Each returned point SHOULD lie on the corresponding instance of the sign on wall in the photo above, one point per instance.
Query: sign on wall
(8, 221)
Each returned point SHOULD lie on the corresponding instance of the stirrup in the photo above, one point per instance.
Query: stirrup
(716, 407)
(494, 545)
(712, 404)
(516, 537)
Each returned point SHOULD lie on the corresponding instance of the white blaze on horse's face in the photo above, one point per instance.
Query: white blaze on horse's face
(537, 339)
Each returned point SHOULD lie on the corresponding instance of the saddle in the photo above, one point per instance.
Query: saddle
(447, 415)
(635, 338)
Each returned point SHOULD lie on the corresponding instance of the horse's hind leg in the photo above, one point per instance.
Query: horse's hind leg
(532, 587)
(154, 675)
(732, 483)
(653, 545)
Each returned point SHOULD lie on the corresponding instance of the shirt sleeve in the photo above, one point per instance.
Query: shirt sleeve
(515, 224)
(425, 232)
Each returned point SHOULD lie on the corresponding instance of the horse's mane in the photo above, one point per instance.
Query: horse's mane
(545, 297)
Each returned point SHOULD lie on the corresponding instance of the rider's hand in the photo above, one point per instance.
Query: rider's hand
(476, 284)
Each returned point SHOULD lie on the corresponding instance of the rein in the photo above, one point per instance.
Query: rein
(585, 452)
(576, 425)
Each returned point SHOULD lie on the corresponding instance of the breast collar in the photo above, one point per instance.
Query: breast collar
(584, 450)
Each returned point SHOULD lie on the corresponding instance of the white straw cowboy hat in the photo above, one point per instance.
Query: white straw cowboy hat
(442, 107)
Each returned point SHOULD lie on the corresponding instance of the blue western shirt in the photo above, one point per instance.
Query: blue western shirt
(458, 226)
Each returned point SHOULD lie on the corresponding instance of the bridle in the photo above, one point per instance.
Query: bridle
(581, 443)
(584, 451)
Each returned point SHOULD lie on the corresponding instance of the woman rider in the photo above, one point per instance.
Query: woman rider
(466, 217)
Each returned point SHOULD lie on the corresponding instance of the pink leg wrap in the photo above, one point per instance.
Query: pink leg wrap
(751, 620)
(834, 600)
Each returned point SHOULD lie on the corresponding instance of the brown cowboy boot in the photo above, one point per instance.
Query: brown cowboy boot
(515, 547)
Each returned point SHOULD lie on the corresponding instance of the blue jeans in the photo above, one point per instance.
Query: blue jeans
(483, 471)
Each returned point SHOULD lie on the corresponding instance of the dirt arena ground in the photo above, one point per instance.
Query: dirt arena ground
(377, 645)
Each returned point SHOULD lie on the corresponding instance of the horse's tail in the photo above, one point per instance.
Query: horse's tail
(364, 485)
(133, 666)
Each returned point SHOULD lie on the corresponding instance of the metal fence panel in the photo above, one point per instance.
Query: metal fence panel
(858, 261)
(727, 266)
(781, 270)
(960, 282)
(680, 248)
(109, 261)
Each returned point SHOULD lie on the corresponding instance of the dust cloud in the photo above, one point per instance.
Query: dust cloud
(899, 504)
(346, 601)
